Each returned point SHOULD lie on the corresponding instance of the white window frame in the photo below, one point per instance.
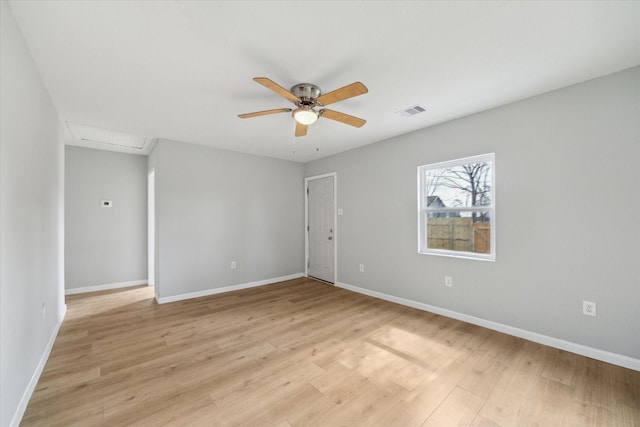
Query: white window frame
(423, 209)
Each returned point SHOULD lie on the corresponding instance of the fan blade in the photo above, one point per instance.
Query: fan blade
(264, 113)
(349, 91)
(301, 130)
(270, 84)
(342, 117)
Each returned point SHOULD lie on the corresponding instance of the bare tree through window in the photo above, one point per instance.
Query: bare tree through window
(467, 185)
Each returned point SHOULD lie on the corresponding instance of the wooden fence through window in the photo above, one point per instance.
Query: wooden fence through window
(459, 234)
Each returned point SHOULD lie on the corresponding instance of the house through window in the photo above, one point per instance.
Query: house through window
(456, 202)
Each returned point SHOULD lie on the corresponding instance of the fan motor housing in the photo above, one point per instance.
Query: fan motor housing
(307, 92)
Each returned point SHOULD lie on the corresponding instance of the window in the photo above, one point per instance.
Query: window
(456, 203)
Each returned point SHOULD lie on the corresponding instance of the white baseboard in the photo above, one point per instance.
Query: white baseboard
(214, 291)
(105, 287)
(583, 350)
(33, 382)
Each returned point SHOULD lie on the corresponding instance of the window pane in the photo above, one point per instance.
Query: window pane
(456, 206)
(459, 231)
(466, 185)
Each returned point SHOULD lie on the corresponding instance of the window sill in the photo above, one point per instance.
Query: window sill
(462, 255)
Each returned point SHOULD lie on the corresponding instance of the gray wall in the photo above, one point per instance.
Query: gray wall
(104, 246)
(214, 207)
(567, 207)
(31, 219)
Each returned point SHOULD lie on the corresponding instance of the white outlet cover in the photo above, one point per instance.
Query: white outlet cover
(589, 308)
(340, 211)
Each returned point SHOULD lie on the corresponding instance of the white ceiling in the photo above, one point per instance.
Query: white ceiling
(183, 70)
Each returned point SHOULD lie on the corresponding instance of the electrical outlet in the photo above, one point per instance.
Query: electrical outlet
(361, 268)
(448, 281)
(589, 308)
(233, 265)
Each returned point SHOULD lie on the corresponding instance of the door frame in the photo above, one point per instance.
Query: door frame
(152, 235)
(335, 222)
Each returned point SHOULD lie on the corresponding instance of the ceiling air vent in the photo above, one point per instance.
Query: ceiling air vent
(411, 111)
(91, 134)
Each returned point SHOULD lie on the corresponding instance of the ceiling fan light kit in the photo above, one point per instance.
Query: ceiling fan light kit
(305, 116)
(306, 97)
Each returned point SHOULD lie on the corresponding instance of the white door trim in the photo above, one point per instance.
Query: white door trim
(152, 246)
(335, 223)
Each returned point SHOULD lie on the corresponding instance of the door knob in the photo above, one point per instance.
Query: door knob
(330, 237)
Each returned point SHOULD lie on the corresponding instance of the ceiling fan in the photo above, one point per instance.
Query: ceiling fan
(307, 97)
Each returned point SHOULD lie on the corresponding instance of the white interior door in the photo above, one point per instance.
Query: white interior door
(321, 228)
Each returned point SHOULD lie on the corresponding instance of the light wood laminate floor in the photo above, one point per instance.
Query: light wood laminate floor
(303, 353)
